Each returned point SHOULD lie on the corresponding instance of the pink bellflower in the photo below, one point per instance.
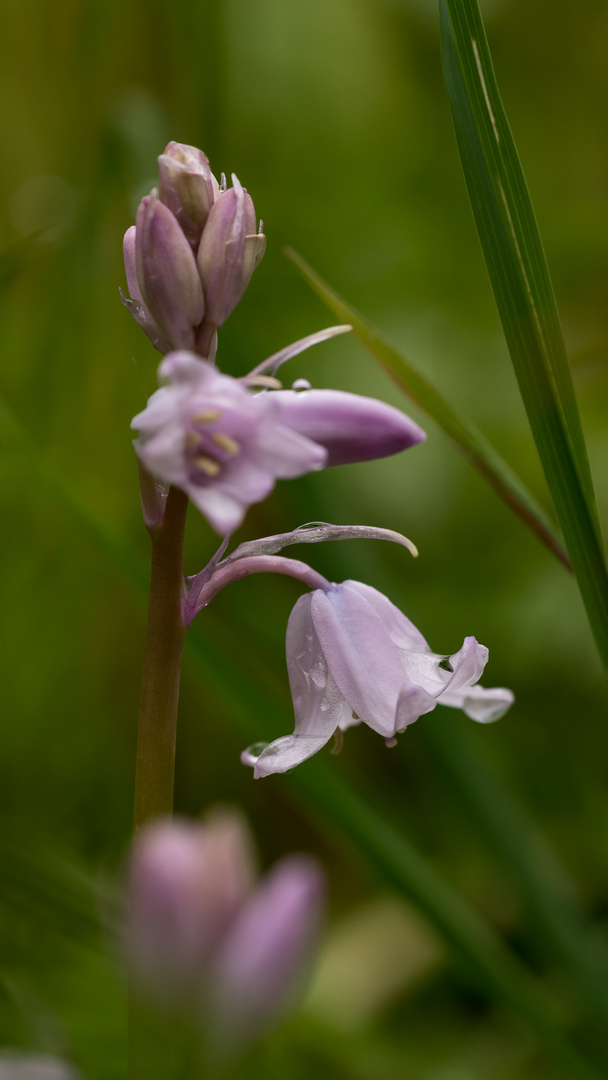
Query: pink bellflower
(353, 657)
(225, 445)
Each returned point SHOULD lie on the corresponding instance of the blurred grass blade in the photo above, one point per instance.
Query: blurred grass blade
(515, 841)
(464, 435)
(524, 295)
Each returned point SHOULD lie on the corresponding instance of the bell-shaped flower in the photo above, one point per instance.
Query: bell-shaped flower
(352, 658)
(206, 940)
(229, 251)
(208, 434)
(188, 187)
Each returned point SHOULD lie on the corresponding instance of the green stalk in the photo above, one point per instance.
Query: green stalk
(155, 765)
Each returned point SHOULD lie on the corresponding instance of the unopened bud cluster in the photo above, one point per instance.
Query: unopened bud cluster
(206, 939)
(191, 254)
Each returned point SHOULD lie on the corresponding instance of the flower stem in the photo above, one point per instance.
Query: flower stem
(155, 765)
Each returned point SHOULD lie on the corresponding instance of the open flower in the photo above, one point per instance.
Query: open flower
(353, 657)
(225, 446)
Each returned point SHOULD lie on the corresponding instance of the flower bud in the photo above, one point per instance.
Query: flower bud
(229, 251)
(166, 273)
(136, 304)
(265, 956)
(187, 882)
(187, 187)
(350, 427)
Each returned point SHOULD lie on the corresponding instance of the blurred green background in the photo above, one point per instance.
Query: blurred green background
(334, 116)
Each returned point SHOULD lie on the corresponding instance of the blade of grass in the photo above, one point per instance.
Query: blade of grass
(352, 816)
(517, 843)
(524, 295)
(421, 390)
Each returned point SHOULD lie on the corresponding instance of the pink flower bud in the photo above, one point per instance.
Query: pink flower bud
(229, 251)
(167, 274)
(136, 304)
(187, 883)
(187, 187)
(260, 967)
(350, 427)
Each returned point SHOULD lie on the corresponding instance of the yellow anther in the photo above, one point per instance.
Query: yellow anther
(206, 416)
(206, 465)
(226, 442)
(192, 440)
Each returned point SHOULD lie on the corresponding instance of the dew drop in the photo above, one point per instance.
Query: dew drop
(300, 384)
(318, 674)
(256, 749)
(338, 741)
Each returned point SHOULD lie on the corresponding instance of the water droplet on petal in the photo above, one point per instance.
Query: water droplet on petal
(390, 743)
(256, 749)
(338, 741)
(318, 673)
(300, 384)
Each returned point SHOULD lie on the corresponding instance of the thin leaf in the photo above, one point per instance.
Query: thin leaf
(463, 434)
(524, 295)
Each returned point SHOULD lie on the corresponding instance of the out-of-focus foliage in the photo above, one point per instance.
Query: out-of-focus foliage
(334, 116)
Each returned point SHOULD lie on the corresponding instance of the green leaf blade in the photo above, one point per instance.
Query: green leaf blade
(471, 442)
(524, 295)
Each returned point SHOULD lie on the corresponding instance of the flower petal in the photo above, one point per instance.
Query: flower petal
(317, 701)
(261, 962)
(360, 655)
(402, 631)
(349, 426)
(480, 704)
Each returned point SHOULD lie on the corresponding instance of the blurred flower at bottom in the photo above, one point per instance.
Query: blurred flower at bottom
(18, 1066)
(206, 940)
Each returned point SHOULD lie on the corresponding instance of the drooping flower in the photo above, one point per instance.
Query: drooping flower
(352, 658)
(225, 446)
(208, 941)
